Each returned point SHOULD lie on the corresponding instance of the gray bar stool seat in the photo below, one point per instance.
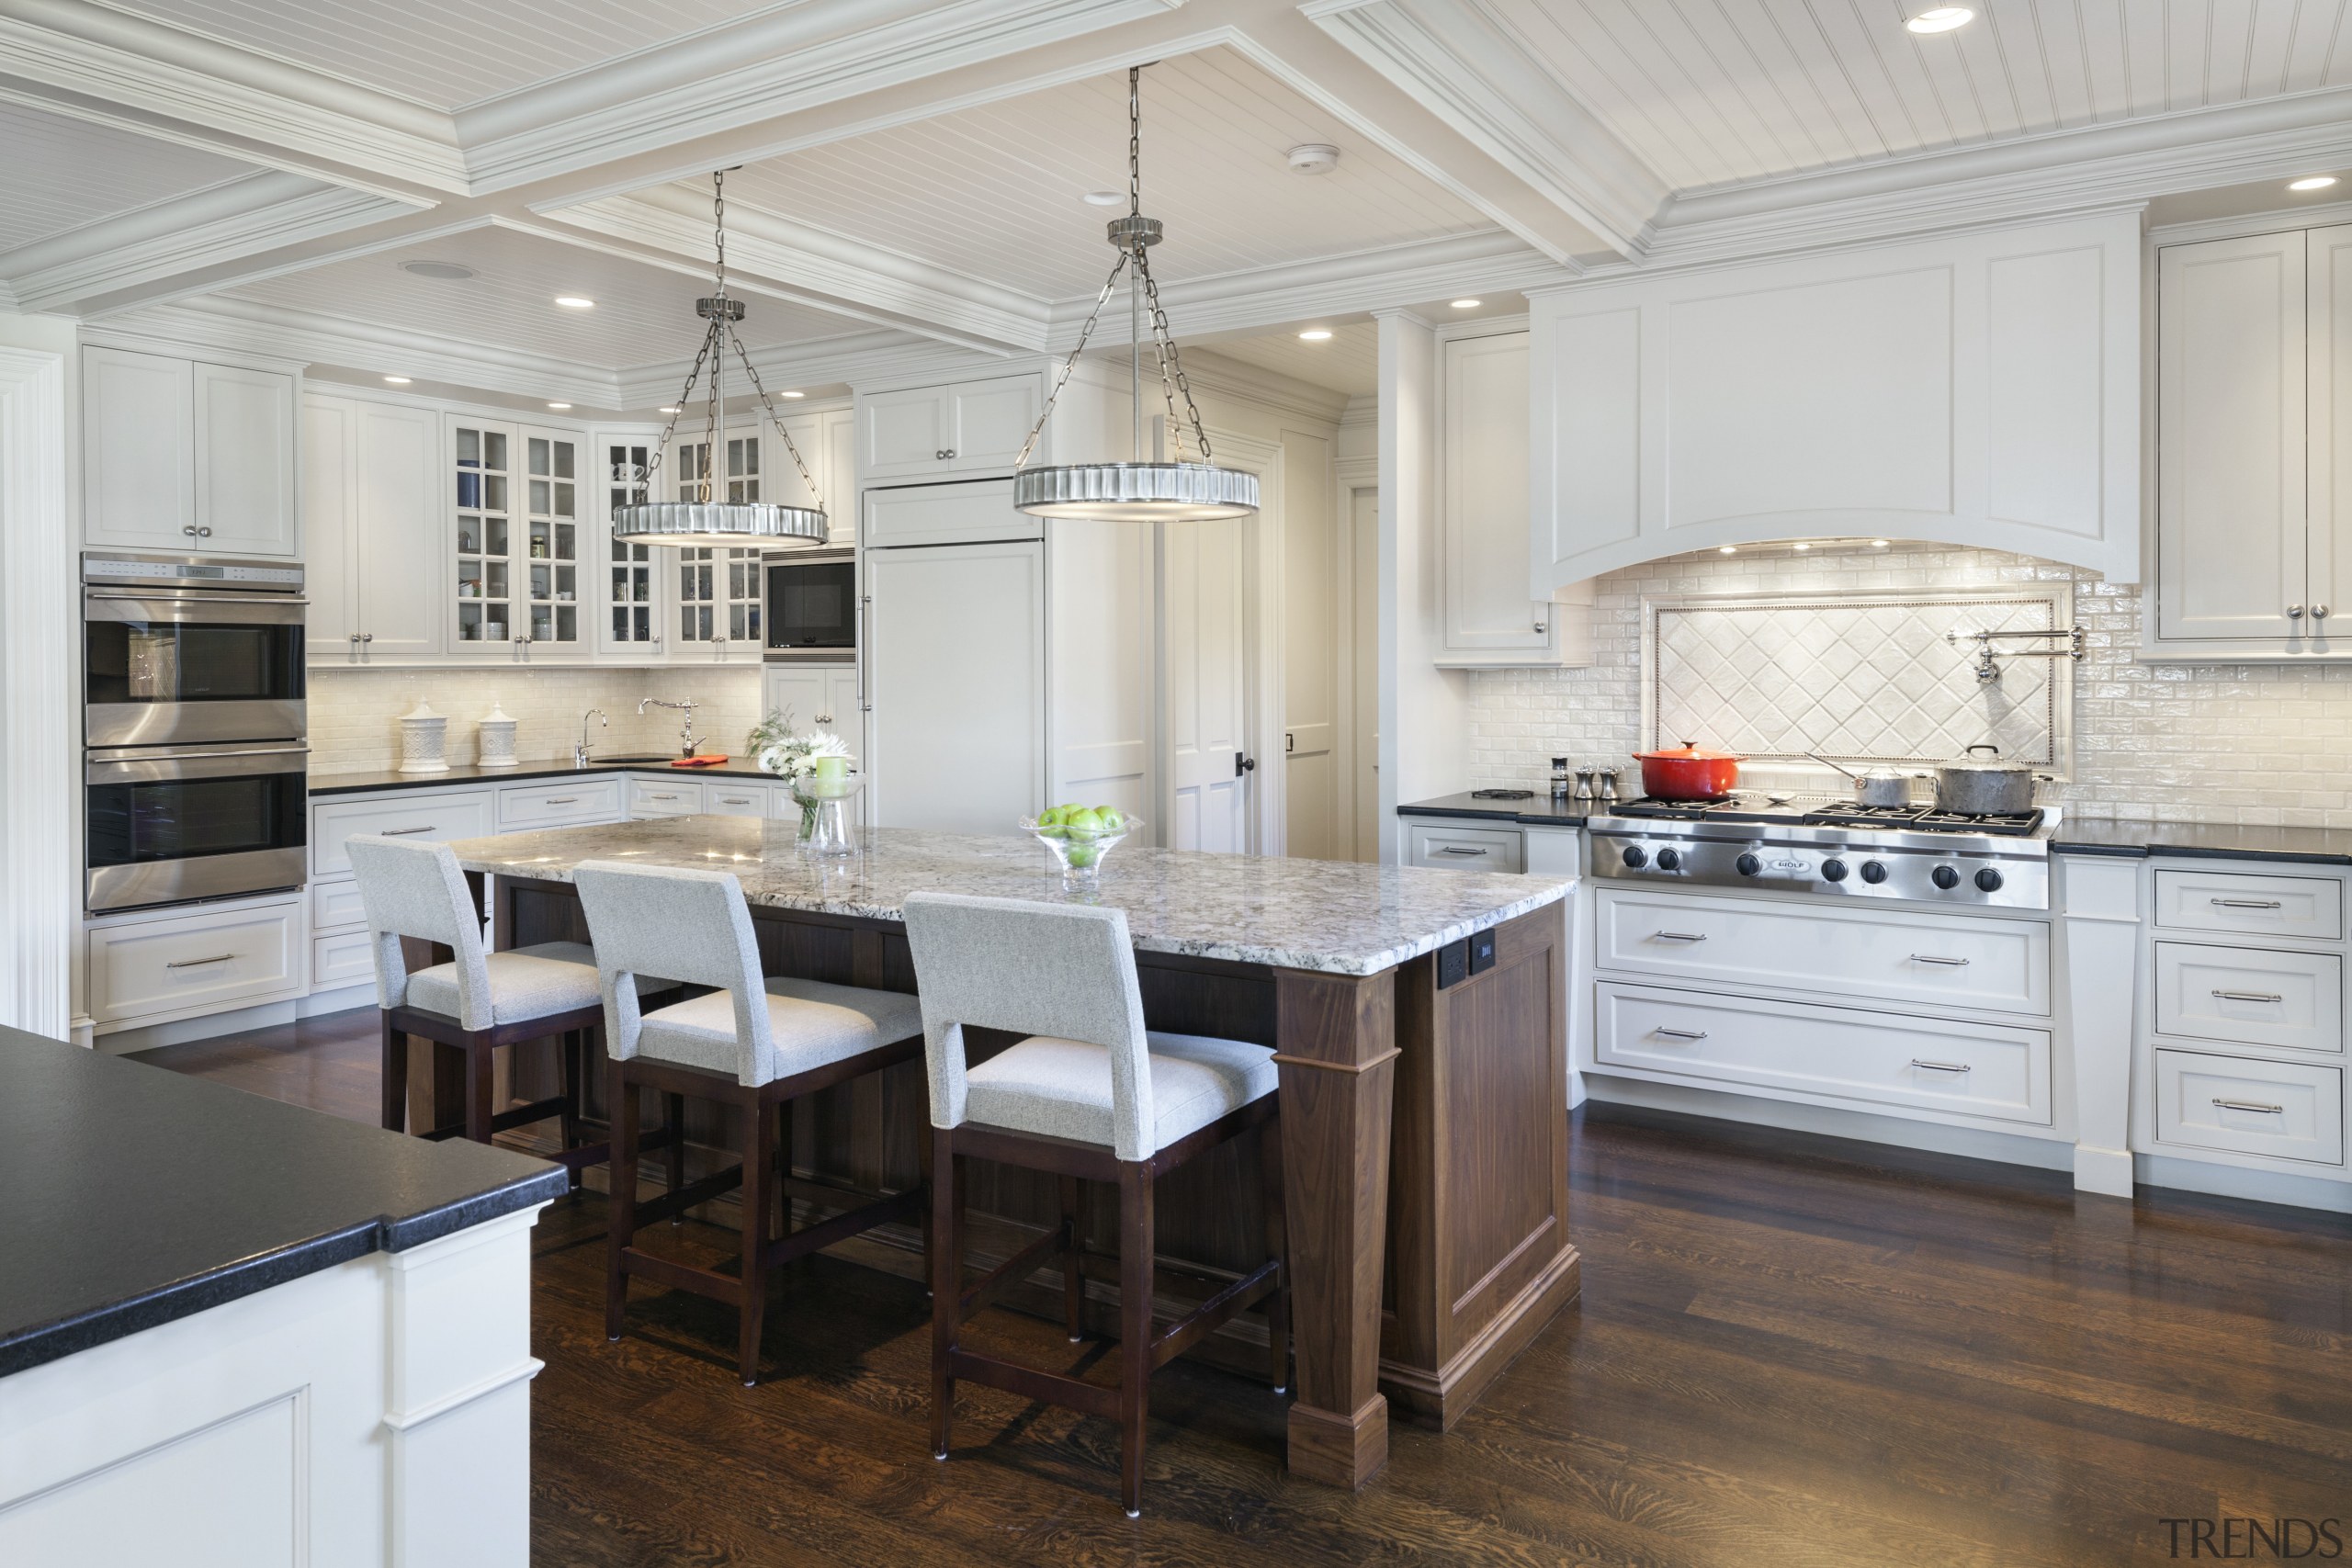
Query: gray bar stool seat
(1088, 1095)
(754, 1043)
(476, 1001)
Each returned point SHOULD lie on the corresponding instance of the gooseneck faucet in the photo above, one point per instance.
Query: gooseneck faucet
(688, 741)
(579, 752)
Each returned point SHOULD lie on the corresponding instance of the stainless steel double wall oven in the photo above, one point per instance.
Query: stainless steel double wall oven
(193, 728)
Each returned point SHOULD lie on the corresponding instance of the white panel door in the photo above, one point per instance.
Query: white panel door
(330, 527)
(396, 498)
(2328, 450)
(1485, 521)
(905, 433)
(2230, 492)
(1205, 595)
(838, 443)
(245, 438)
(138, 450)
(956, 672)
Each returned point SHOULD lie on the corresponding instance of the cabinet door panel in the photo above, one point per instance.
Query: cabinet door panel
(1486, 515)
(138, 450)
(396, 503)
(330, 526)
(245, 431)
(2231, 513)
(2328, 285)
(840, 475)
(988, 421)
(905, 433)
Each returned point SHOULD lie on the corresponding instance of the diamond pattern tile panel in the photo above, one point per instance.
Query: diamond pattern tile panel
(1864, 677)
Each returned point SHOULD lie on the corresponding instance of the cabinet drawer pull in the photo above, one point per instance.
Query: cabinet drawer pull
(1459, 849)
(2247, 903)
(2251, 1105)
(404, 832)
(1663, 1032)
(1677, 936)
(201, 963)
(734, 800)
(2248, 997)
(1947, 963)
(661, 797)
(1940, 1067)
(561, 800)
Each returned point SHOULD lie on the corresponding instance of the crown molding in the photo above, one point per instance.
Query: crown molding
(875, 359)
(92, 62)
(777, 61)
(2270, 220)
(1211, 372)
(1464, 63)
(70, 273)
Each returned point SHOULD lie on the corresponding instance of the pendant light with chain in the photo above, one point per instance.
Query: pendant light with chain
(1136, 491)
(704, 517)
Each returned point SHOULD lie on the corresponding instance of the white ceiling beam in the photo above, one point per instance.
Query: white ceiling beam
(1461, 60)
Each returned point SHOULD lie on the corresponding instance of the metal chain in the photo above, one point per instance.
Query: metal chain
(774, 418)
(713, 454)
(1166, 339)
(662, 448)
(1038, 429)
(1135, 141)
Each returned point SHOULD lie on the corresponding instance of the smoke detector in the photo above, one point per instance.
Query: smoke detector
(1314, 158)
(447, 272)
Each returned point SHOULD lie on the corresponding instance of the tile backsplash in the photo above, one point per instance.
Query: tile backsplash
(2253, 743)
(354, 713)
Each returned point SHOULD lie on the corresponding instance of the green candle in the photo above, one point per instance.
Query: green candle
(831, 770)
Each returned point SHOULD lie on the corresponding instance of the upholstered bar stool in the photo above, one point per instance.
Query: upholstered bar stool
(751, 1043)
(1087, 1095)
(479, 1000)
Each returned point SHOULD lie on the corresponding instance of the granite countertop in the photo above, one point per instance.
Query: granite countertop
(136, 1195)
(1339, 916)
(1538, 810)
(553, 768)
(2212, 841)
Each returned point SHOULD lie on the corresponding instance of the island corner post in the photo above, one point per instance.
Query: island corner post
(1424, 1141)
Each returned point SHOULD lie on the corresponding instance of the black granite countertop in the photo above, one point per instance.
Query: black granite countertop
(355, 783)
(2210, 840)
(1538, 810)
(136, 1195)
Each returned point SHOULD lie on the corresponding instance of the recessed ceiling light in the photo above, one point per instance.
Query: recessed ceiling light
(447, 272)
(794, 394)
(1467, 304)
(2316, 182)
(396, 380)
(1105, 198)
(1726, 550)
(559, 407)
(1802, 546)
(1878, 544)
(576, 301)
(1940, 20)
(1316, 334)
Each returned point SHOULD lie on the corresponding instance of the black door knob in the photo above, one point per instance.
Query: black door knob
(1669, 860)
(1874, 872)
(1749, 865)
(1637, 856)
(1944, 876)
(1989, 880)
(1833, 871)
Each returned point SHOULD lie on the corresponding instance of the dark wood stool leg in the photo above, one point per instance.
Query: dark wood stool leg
(1135, 1327)
(621, 1223)
(478, 1066)
(759, 1146)
(929, 1189)
(1073, 1277)
(395, 1078)
(946, 1282)
(573, 1046)
(673, 1107)
(1270, 1169)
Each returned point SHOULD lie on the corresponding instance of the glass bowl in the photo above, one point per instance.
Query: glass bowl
(1079, 850)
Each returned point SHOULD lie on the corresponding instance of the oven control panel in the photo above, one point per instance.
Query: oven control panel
(190, 572)
(1967, 870)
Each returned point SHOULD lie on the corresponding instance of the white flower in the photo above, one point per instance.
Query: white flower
(794, 756)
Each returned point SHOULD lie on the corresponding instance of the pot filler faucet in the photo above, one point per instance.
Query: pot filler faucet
(688, 741)
(579, 752)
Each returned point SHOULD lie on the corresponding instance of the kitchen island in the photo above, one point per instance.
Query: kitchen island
(1419, 1022)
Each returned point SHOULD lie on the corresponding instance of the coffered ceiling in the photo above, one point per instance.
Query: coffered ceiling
(910, 172)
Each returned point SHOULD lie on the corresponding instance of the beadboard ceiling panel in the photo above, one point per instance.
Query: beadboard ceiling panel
(1714, 92)
(997, 191)
(644, 315)
(442, 53)
(1349, 361)
(60, 174)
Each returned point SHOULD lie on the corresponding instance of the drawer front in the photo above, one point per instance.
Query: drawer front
(664, 798)
(1843, 951)
(335, 905)
(1475, 848)
(2308, 908)
(438, 818)
(2285, 1110)
(340, 960)
(211, 959)
(1828, 1055)
(733, 799)
(2279, 998)
(556, 805)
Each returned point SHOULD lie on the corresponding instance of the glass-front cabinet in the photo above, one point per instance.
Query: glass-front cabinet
(634, 575)
(551, 494)
(484, 578)
(719, 589)
(516, 541)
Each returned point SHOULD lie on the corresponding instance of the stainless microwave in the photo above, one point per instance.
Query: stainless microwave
(811, 607)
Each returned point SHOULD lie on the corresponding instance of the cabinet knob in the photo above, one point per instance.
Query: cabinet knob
(2294, 612)
(189, 530)
(1539, 626)
(2319, 611)
(204, 533)
(354, 637)
(824, 719)
(367, 636)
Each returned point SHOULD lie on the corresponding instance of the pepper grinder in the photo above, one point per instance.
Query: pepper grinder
(1584, 787)
(1606, 792)
(1559, 778)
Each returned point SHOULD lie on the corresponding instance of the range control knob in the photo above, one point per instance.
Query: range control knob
(1989, 880)
(1637, 856)
(1874, 872)
(1669, 860)
(1945, 876)
(1749, 865)
(1833, 871)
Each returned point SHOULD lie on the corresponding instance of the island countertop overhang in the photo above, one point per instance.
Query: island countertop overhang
(1331, 916)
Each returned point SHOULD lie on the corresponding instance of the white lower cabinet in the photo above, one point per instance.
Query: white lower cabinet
(2293, 1001)
(2282, 1110)
(734, 797)
(2256, 903)
(663, 797)
(343, 958)
(1465, 846)
(196, 961)
(559, 802)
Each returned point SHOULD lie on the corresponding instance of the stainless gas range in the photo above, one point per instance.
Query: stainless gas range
(1835, 850)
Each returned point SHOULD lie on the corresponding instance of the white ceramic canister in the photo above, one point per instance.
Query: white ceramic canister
(425, 740)
(496, 733)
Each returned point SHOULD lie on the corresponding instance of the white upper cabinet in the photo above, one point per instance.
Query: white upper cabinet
(633, 607)
(1979, 389)
(372, 527)
(516, 537)
(839, 439)
(818, 696)
(968, 514)
(187, 457)
(2327, 270)
(787, 485)
(928, 432)
(1488, 618)
(718, 592)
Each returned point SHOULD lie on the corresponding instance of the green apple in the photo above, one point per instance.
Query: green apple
(1083, 819)
(1084, 855)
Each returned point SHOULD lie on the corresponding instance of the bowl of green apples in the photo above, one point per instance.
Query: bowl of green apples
(1080, 836)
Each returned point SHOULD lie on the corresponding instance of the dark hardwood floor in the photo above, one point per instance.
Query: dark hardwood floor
(1789, 1352)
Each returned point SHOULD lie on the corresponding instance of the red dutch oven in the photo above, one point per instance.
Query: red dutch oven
(1687, 772)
